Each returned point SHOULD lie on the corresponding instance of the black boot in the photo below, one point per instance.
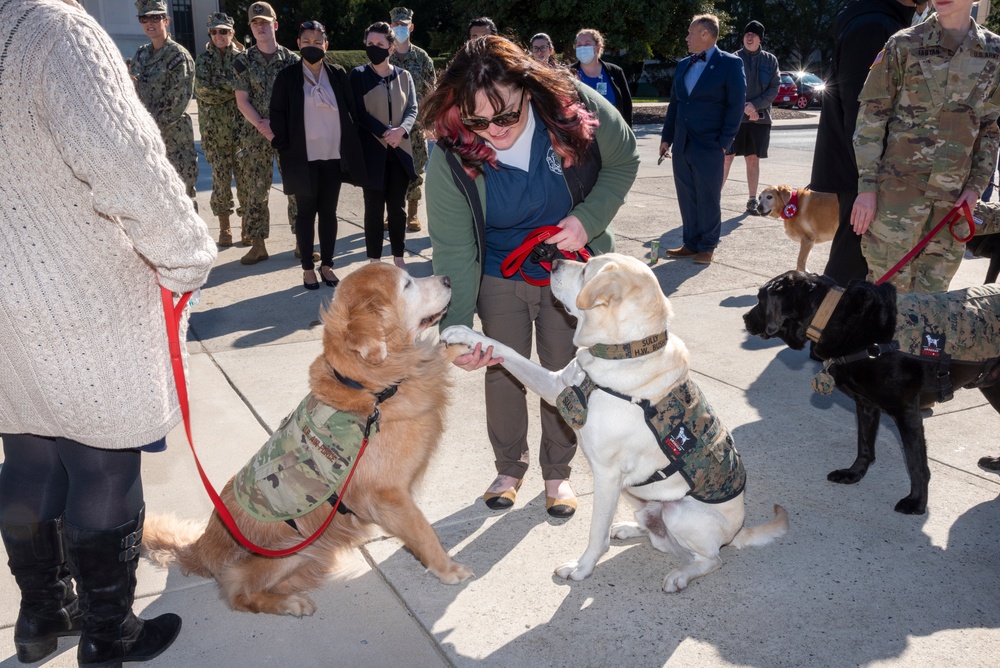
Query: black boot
(49, 608)
(103, 564)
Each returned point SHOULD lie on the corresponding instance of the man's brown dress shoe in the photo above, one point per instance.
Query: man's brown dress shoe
(683, 251)
(705, 257)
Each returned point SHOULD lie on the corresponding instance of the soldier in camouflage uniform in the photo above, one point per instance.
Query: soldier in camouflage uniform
(926, 141)
(163, 72)
(219, 117)
(414, 60)
(256, 69)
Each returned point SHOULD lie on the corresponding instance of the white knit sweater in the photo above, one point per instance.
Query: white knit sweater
(90, 212)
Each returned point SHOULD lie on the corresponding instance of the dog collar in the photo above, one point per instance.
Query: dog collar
(792, 208)
(355, 385)
(823, 313)
(630, 350)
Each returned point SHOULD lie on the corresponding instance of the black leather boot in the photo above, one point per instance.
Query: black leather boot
(49, 608)
(103, 564)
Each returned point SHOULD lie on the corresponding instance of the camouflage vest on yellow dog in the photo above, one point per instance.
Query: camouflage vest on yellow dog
(688, 432)
(961, 325)
(302, 465)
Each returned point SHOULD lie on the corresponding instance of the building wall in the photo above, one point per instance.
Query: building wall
(187, 22)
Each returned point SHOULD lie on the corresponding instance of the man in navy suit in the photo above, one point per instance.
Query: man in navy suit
(706, 108)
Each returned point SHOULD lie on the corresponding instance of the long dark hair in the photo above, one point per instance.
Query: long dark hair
(493, 65)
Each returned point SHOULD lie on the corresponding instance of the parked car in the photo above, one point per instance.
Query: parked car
(788, 92)
(810, 88)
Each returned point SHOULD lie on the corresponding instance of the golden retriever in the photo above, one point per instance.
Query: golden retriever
(619, 305)
(815, 221)
(373, 334)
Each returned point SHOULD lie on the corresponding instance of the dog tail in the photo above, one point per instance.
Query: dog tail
(167, 539)
(765, 533)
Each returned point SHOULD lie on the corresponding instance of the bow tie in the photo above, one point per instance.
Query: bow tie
(698, 56)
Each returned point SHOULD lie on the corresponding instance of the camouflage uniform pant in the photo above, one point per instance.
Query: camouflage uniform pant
(419, 143)
(220, 150)
(254, 175)
(179, 139)
(903, 218)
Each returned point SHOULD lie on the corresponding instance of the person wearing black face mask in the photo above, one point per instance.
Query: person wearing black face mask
(314, 121)
(388, 110)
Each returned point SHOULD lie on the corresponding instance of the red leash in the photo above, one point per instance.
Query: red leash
(173, 315)
(544, 254)
(953, 217)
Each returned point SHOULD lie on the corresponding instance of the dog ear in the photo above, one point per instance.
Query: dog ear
(601, 290)
(367, 336)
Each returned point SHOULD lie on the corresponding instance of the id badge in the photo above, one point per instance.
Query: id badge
(602, 87)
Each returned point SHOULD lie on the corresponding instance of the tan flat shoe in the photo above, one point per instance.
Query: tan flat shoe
(504, 500)
(561, 508)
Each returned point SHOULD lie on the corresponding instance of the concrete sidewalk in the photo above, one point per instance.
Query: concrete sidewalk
(853, 583)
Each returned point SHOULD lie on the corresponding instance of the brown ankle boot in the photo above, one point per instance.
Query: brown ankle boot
(412, 222)
(225, 231)
(258, 252)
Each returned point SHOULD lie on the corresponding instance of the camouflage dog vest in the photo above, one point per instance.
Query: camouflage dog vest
(961, 325)
(302, 465)
(688, 432)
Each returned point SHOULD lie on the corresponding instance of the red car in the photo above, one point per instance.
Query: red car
(788, 92)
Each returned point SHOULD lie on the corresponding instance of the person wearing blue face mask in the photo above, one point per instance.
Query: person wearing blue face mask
(414, 60)
(606, 78)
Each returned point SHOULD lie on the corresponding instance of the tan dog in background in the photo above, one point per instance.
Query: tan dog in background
(815, 221)
(372, 335)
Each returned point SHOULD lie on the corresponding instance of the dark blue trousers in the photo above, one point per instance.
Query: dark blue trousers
(698, 179)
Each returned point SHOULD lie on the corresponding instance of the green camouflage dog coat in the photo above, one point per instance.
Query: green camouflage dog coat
(963, 325)
(302, 465)
(686, 428)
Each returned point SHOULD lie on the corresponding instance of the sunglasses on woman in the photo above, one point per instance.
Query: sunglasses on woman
(218, 31)
(154, 18)
(311, 25)
(506, 119)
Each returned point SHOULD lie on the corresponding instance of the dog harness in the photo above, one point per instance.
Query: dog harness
(302, 465)
(961, 326)
(688, 432)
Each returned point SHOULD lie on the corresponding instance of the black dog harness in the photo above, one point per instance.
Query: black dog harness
(960, 326)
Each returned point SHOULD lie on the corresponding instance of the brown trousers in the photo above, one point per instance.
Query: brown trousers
(509, 311)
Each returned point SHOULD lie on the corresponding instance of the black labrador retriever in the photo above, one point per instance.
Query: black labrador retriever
(856, 344)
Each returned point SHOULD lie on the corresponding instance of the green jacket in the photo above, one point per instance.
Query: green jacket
(452, 228)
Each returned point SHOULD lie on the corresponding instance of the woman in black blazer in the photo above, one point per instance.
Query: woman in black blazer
(314, 121)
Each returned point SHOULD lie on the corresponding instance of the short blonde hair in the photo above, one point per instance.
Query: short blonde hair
(709, 22)
(598, 37)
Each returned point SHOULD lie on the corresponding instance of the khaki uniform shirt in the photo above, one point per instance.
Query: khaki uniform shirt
(929, 111)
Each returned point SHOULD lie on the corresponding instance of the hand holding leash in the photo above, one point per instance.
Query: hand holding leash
(572, 237)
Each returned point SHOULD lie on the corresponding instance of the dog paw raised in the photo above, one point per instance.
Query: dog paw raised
(626, 530)
(572, 570)
(460, 335)
(455, 573)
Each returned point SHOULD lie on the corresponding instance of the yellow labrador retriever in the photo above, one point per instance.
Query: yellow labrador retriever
(644, 426)
(810, 217)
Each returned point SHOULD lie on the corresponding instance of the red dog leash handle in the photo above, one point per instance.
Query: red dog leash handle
(513, 262)
(173, 316)
(954, 216)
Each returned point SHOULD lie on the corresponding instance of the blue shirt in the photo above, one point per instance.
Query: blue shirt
(601, 83)
(519, 202)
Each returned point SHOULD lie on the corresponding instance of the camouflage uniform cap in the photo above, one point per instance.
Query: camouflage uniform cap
(400, 15)
(262, 10)
(146, 7)
(220, 20)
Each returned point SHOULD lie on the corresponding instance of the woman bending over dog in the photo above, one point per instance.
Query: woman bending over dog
(531, 147)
